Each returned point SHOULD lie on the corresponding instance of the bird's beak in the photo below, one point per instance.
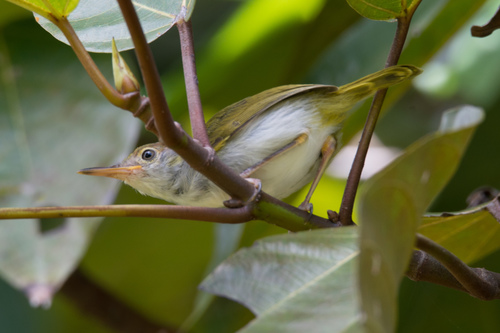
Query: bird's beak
(118, 172)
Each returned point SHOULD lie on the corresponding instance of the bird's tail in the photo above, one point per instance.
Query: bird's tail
(348, 95)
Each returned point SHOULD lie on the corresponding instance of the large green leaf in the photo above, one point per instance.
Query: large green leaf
(294, 283)
(97, 22)
(53, 122)
(470, 234)
(390, 208)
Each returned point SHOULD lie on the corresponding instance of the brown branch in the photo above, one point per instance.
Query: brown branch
(220, 215)
(478, 282)
(202, 160)
(92, 299)
(346, 207)
(268, 209)
(133, 101)
(424, 267)
(488, 28)
(111, 94)
(193, 93)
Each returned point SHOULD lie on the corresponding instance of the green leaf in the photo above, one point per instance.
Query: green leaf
(97, 22)
(470, 234)
(294, 283)
(47, 8)
(189, 8)
(381, 10)
(390, 208)
(53, 122)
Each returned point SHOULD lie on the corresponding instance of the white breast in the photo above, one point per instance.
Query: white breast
(273, 130)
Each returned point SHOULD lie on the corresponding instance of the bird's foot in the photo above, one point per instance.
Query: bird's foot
(237, 203)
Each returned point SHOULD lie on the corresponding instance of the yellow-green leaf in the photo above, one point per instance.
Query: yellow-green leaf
(47, 8)
(381, 10)
(470, 234)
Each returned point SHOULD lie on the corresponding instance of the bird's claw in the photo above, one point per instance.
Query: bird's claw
(210, 157)
(306, 206)
(237, 203)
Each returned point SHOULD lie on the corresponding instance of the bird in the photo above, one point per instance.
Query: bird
(285, 137)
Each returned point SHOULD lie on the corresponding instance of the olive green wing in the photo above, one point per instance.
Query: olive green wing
(227, 122)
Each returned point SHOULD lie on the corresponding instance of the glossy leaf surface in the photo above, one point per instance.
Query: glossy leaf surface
(97, 22)
(295, 282)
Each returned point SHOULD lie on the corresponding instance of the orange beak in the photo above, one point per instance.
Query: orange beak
(112, 171)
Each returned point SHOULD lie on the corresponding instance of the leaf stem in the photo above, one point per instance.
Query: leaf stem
(346, 207)
(111, 94)
(193, 93)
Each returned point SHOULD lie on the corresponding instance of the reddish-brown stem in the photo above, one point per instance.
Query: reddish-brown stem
(163, 119)
(346, 208)
(193, 93)
(201, 159)
(111, 94)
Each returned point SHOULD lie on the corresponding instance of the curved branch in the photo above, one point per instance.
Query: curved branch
(111, 94)
(478, 282)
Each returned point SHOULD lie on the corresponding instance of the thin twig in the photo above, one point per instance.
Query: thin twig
(132, 102)
(193, 93)
(346, 207)
(220, 215)
(269, 209)
(111, 94)
(163, 119)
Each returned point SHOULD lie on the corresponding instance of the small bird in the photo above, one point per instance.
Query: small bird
(285, 137)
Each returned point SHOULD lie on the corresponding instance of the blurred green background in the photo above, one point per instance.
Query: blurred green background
(244, 47)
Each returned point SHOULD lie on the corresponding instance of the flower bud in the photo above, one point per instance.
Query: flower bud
(125, 81)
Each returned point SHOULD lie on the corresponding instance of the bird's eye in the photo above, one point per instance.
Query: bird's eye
(148, 154)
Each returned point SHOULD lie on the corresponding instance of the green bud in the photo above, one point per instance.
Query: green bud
(125, 81)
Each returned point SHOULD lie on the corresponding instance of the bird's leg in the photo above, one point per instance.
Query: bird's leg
(296, 142)
(327, 151)
(234, 203)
